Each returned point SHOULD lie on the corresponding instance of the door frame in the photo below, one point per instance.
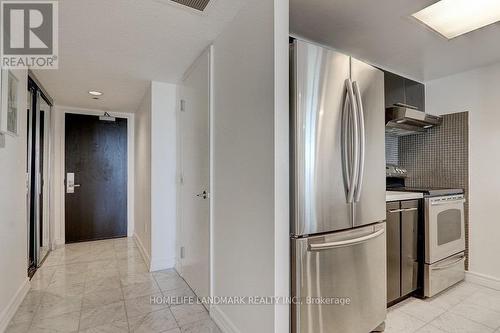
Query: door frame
(178, 264)
(60, 166)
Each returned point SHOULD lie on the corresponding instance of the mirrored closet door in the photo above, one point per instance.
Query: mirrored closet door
(38, 173)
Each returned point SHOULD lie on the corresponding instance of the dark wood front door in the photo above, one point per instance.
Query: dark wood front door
(96, 153)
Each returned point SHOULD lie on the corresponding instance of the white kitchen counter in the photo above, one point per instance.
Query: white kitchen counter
(399, 196)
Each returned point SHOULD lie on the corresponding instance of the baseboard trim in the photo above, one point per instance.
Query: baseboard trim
(221, 319)
(483, 280)
(9, 312)
(162, 263)
(142, 250)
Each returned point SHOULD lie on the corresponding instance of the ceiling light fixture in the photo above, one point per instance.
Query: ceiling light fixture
(453, 18)
(95, 93)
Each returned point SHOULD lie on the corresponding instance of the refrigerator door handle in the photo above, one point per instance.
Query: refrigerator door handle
(362, 140)
(344, 243)
(350, 142)
(345, 145)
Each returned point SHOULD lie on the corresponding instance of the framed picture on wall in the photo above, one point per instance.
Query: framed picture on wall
(9, 115)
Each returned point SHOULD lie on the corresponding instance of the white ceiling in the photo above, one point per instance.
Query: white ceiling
(381, 32)
(117, 46)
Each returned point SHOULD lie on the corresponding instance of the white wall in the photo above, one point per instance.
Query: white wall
(163, 175)
(477, 91)
(143, 175)
(250, 185)
(155, 168)
(13, 221)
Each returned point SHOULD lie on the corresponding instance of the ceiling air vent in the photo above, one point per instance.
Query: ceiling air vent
(195, 4)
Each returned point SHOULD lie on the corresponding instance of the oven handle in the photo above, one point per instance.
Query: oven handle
(402, 210)
(440, 203)
(450, 264)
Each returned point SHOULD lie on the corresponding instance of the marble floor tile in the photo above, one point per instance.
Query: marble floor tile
(167, 274)
(102, 315)
(120, 326)
(487, 299)
(189, 313)
(66, 289)
(53, 305)
(62, 323)
(452, 323)
(25, 313)
(177, 296)
(133, 278)
(175, 330)
(63, 278)
(92, 286)
(96, 273)
(103, 297)
(421, 309)
(143, 305)
(171, 283)
(478, 314)
(105, 287)
(400, 322)
(140, 289)
(153, 322)
(40, 284)
(103, 264)
(204, 326)
(33, 297)
(18, 328)
(430, 329)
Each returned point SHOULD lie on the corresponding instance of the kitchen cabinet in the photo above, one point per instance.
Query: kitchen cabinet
(400, 90)
(393, 252)
(402, 248)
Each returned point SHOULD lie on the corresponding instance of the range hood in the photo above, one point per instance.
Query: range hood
(401, 121)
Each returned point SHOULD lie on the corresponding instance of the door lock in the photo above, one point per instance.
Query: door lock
(70, 183)
(203, 195)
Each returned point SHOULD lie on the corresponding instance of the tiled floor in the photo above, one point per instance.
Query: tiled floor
(104, 286)
(465, 308)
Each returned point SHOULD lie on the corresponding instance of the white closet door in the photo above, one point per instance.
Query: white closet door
(195, 170)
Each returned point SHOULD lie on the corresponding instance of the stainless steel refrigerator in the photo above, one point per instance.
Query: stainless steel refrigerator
(338, 202)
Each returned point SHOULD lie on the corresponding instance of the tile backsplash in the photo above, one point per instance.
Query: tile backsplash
(439, 158)
(391, 149)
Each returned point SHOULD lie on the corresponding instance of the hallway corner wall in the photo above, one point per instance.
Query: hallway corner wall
(250, 177)
(156, 172)
(143, 176)
(13, 221)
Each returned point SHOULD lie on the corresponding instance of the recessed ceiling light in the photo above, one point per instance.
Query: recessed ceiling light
(95, 93)
(452, 18)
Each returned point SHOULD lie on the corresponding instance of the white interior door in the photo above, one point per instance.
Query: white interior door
(195, 176)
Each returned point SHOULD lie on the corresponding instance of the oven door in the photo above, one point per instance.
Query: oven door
(444, 227)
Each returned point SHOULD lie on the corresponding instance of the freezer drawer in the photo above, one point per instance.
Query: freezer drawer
(349, 267)
(444, 274)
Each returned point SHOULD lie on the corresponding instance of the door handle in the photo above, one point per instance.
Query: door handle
(440, 203)
(70, 182)
(450, 264)
(402, 210)
(204, 195)
(350, 142)
(343, 243)
(362, 140)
